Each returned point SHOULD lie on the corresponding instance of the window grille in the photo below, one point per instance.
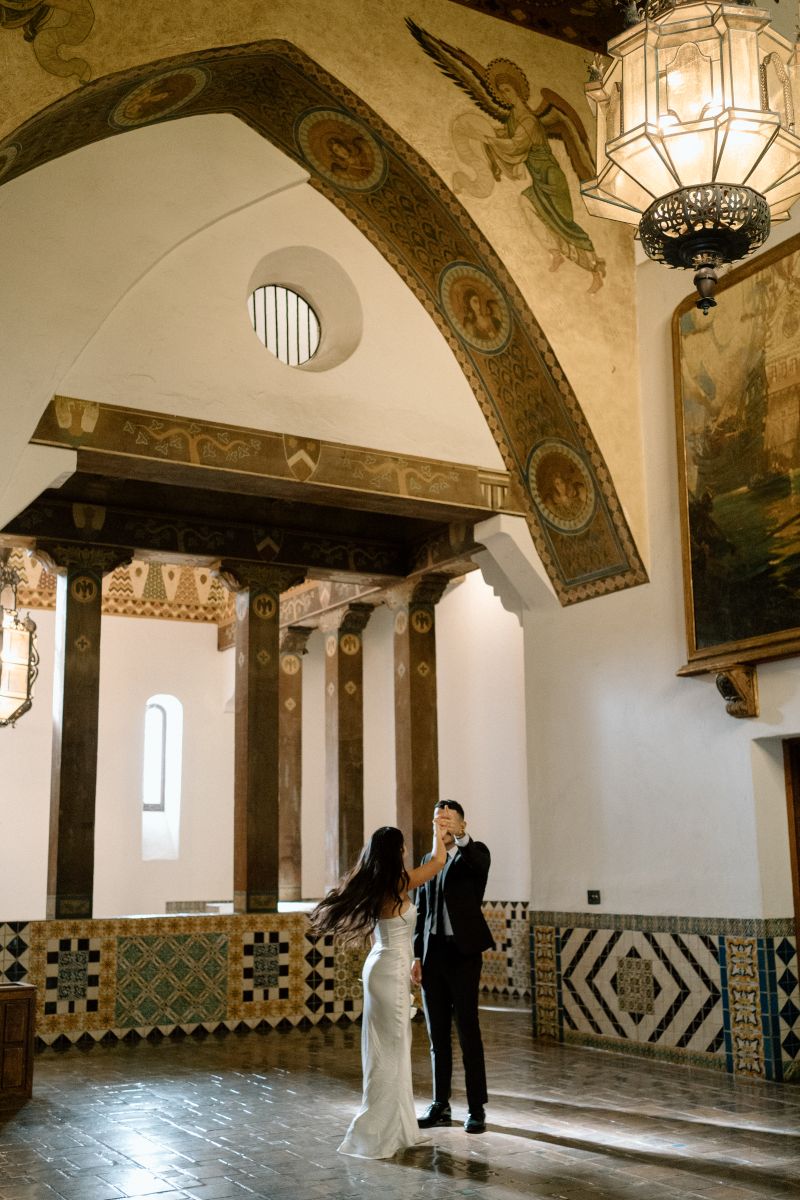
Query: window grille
(285, 323)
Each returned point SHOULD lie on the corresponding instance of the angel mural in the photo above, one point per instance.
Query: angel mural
(502, 91)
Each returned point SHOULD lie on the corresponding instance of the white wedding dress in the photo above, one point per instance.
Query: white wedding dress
(386, 1121)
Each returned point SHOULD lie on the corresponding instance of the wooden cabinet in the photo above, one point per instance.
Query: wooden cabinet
(17, 1025)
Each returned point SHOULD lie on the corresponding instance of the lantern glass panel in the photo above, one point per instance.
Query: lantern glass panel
(14, 681)
(782, 196)
(742, 83)
(617, 196)
(688, 84)
(692, 152)
(17, 666)
(741, 142)
(642, 158)
(779, 162)
(634, 109)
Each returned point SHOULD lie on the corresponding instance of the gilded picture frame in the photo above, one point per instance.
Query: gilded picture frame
(737, 404)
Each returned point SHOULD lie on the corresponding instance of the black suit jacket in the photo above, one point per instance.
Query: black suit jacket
(464, 885)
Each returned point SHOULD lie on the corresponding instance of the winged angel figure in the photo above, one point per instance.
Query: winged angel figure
(501, 90)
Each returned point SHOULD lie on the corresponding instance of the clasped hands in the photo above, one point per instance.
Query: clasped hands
(447, 820)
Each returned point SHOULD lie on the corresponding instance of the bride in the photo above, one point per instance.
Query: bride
(373, 898)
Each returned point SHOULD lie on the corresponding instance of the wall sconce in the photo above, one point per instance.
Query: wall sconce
(19, 659)
(696, 139)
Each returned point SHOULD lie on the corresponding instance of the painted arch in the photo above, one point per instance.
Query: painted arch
(408, 213)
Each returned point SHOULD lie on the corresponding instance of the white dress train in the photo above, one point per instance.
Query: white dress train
(386, 1121)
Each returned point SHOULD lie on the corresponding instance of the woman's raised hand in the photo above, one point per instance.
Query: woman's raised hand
(440, 827)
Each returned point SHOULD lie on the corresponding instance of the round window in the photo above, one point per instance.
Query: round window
(285, 323)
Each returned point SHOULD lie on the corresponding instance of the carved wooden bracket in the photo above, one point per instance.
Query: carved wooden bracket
(738, 686)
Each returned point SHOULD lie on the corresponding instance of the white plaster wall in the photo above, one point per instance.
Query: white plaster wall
(641, 784)
(313, 802)
(139, 658)
(190, 311)
(25, 793)
(481, 713)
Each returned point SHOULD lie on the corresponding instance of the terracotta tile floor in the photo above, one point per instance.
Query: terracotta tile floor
(261, 1116)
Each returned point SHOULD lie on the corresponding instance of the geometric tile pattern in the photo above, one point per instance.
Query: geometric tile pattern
(725, 996)
(744, 1027)
(72, 980)
(787, 1001)
(678, 992)
(171, 979)
(333, 978)
(14, 951)
(182, 974)
(635, 985)
(547, 982)
(738, 926)
(318, 974)
(506, 969)
(266, 965)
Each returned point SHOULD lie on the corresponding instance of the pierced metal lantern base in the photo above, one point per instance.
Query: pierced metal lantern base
(704, 227)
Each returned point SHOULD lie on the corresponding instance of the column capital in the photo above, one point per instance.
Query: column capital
(350, 618)
(58, 557)
(240, 576)
(293, 639)
(424, 590)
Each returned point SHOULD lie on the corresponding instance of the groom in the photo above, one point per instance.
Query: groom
(449, 940)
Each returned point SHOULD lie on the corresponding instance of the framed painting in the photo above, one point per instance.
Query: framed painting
(737, 392)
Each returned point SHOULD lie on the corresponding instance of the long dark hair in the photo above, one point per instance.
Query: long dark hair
(352, 909)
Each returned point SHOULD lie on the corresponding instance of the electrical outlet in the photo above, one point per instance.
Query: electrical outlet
(593, 897)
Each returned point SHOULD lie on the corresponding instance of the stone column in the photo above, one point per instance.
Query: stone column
(416, 729)
(76, 693)
(256, 734)
(344, 738)
(290, 758)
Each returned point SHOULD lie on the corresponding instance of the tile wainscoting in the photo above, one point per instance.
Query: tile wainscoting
(142, 976)
(711, 992)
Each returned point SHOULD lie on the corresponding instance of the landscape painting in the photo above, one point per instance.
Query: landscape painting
(737, 381)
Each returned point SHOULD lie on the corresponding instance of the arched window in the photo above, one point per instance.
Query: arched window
(161, 777)
(154, 779)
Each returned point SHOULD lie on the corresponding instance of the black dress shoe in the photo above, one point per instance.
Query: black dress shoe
(476, 1121)
(437, 1113)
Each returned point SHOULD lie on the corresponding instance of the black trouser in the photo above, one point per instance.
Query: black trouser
(450, 982)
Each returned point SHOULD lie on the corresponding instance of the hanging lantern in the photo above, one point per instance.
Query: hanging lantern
(19, 660)
(696, 139)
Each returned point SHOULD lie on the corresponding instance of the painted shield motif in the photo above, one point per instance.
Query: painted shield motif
(268, 542)
(167, 93)
(475, 307)
(302, 456)
(341, 149)
(561, 486)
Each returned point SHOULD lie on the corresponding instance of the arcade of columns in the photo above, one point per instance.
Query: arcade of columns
(277, 605)
(268, 723)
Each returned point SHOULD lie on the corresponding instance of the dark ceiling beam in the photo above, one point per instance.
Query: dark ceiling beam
(172, 537)
(588, 23)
